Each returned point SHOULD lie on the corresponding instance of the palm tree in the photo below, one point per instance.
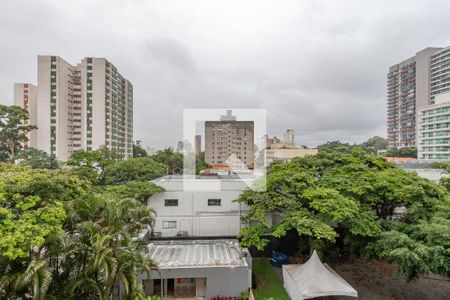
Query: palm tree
(38, 275)
(101, 248)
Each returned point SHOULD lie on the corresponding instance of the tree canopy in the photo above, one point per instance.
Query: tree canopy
(173, 161)
(92, 164)
(138, 151)
(13, 130)
(347, 196)
(133, 169)
(62, 238)
(37, 159)
(402, 152)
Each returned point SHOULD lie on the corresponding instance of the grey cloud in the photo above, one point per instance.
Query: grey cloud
(316, 66)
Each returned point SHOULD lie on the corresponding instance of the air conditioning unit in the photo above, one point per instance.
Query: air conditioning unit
(156, 234)
(182, 234)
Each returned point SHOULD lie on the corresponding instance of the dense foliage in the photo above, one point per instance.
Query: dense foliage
(174, 161)
(133, 169)
(37, 159)
(13, 130)
(103, 167)
(402, 152)
(61, 237)
(138, 151)
(348, 200)
(373, 146)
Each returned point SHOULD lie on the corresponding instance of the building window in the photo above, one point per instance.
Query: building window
(171, 202)
(169, 224)
(214, 202)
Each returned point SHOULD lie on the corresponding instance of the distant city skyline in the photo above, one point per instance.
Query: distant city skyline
(318, 67)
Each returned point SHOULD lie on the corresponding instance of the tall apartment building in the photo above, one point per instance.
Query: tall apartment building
(25, 96)
(433, 121)
(408, 88)
(227, 137)
(433, 127)
(83, 106)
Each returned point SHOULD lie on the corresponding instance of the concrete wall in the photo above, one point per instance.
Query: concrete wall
(195, 216)
(423, 76)
(43, 100)
(63, 72)
(98, 102)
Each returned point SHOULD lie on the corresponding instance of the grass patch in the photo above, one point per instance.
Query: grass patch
(268, 285)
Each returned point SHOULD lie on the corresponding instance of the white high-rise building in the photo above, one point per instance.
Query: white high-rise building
(25, 96)
(433, 121)
(433, 128)
(83, 106)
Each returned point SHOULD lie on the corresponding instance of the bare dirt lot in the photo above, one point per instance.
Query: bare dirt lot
(378, 281)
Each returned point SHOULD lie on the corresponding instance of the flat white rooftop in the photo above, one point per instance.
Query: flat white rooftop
(197, 254)
(206, 183)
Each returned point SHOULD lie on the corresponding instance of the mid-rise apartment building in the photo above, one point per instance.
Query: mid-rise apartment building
(83, 106)
(229, 138)
(25, 96)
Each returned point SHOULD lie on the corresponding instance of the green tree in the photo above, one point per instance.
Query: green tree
(402, 152)
(352, 197)
(314, 209)
(13, 129)
(139, 190)
(103, 248)
(200, 163)
(92, 165)
(173, 161)
(61, 239)
(133, 169)
(374, 144)
(418, 247)
(334, 146)
(37, 159)
(32, 216)
(138, 151)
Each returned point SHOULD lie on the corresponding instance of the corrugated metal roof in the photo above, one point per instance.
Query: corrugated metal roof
(196, 253)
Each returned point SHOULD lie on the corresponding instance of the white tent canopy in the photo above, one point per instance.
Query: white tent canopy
(314, 279)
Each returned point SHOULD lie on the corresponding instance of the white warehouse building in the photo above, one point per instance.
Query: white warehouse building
(199, 206)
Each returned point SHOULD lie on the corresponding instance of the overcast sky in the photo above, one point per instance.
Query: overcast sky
(318, 67)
